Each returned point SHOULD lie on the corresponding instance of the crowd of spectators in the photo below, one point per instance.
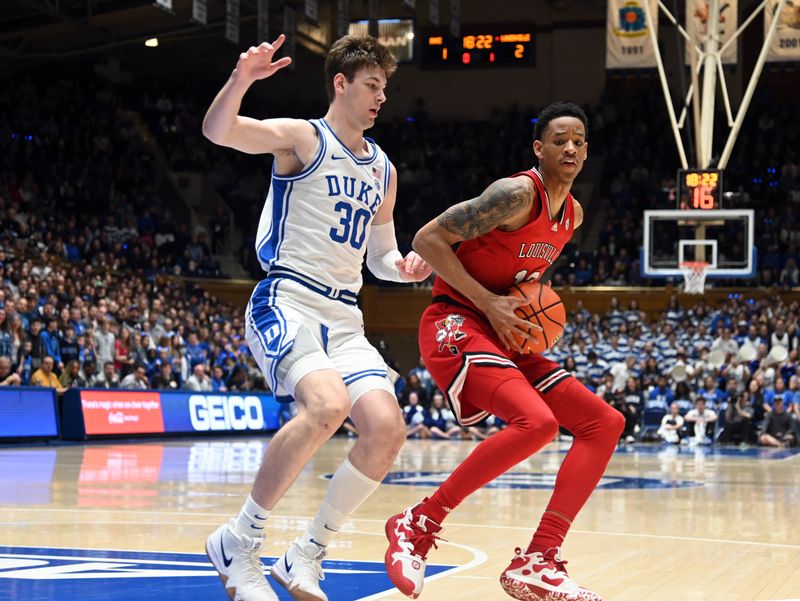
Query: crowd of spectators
(75, 324)
(736, 358)
(78, 180)
(88, 251)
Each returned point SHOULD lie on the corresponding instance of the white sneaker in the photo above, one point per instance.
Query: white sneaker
(542, 577)
(299, 571)
(237, 559)
(410, 537)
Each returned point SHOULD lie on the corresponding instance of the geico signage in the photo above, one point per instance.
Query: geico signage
(216, 412)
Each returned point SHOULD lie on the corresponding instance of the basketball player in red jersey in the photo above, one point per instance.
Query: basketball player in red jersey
(510, 233)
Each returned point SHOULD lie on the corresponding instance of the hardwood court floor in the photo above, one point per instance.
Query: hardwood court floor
(111, 521)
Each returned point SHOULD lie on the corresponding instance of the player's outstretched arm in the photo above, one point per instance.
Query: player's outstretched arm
(501, 203)
(224, 126)
(383, 258)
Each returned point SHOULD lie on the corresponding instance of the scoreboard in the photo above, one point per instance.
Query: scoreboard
(481, 47)
(699, 189)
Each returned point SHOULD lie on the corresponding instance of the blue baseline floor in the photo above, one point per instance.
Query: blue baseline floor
(46, 574)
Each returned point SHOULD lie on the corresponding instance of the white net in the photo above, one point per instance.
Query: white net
(694, 276)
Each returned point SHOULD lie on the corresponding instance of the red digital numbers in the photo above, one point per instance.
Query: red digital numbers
(703, 197)
(699, 189)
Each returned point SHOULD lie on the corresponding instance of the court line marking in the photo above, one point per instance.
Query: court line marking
(195, 564)
(29, 510)
(135, 561)
(478, 557)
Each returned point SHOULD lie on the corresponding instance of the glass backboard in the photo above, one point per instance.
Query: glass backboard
(722, 238)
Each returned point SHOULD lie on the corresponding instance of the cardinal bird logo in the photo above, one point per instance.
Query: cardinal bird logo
(449, 334)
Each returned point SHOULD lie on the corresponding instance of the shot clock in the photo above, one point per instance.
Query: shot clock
(699, 189)
(481, 47)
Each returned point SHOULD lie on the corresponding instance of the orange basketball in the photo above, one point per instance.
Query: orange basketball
(544, 309)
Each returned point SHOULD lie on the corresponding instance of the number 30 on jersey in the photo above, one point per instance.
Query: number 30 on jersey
(353, 225)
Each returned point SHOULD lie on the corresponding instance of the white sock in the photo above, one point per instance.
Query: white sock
(348, 489)
(251, 519)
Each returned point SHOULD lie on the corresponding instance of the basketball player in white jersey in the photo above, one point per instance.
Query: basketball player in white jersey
(330, 202)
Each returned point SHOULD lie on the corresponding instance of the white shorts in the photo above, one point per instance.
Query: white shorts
(293, 330)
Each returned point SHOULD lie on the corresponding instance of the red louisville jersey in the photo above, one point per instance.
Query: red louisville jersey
(500, 259)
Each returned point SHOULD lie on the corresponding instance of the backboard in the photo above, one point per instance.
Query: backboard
(723, 238)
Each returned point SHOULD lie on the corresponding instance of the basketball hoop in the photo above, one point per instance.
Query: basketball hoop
(694, 276)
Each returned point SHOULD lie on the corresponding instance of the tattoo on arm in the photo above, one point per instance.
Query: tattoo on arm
(502, 200)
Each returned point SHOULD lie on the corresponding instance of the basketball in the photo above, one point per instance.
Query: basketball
(544, 309)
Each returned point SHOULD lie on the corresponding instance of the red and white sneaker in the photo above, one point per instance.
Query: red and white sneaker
(411, 536)
(542, 577)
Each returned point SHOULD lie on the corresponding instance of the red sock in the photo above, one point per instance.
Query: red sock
(551, 533)
(531, 425)
(596, 427)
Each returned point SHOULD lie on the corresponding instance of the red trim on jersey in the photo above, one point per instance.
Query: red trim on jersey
(538, 181)
(538, 200)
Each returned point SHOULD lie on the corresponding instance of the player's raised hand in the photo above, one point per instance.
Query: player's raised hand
(500, 313)
(413, 268)
(257, 63)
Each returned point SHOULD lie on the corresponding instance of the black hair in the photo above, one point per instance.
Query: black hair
(556, 110)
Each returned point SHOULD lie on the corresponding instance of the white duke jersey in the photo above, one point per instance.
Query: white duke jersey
(315, 224)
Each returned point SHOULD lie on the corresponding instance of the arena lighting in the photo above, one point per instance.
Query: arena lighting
(151, 43)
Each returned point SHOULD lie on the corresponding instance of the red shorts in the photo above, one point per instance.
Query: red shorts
(454, 340)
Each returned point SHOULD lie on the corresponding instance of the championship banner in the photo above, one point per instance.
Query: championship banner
(697, 27)
(312, 10)
(232, 21)
(396, 34)
(290, 31)
(200, 11)
(433, 12)
(455, 18)
(628, 41)
(342, 18)
(262, 21)
(786, 43)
